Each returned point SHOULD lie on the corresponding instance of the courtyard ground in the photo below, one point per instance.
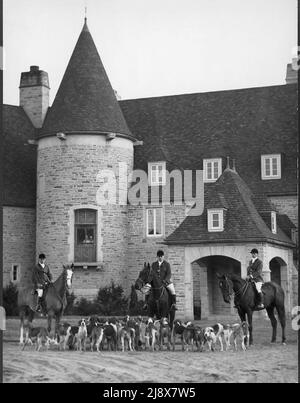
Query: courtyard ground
(262, 362)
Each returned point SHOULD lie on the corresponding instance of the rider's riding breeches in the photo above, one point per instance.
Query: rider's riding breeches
(258, 286)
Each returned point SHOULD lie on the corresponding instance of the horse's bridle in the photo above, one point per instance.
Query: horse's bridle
(242, 290)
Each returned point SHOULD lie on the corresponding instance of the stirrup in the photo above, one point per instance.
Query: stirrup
(145, 307)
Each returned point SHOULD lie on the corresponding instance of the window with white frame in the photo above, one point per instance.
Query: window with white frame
(157, 173)
(154, 222)
(271, 166)
(212, 169)
(215, 220)
(273, 222)
(15, 273)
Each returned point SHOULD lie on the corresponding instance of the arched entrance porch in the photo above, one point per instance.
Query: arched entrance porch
(207, 297)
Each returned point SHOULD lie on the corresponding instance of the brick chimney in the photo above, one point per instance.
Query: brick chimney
(34, 95)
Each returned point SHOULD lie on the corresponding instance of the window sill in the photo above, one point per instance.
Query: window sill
(89, 265)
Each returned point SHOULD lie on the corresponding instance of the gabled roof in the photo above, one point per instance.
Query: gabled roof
(85, 101)
(242, 124)
(20, 158)
(242, 223)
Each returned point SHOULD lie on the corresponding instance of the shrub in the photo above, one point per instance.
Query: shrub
(85, 307)
(111, 301)
(10, 299)
(70, 304)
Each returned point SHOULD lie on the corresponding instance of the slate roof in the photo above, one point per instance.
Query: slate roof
(242, 223)
(85, 100)
(19, 177)
(242, 124)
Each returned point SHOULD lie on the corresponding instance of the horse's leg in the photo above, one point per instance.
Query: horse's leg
(49, 319)
(57, 322)
(249, 316)
(22, 314)
(270, 311)
(281, 316)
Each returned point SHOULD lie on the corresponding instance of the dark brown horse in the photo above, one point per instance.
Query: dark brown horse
(55, 300)
(159, 299)
(245, 300)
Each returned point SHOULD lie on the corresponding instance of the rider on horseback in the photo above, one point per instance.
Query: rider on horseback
(162, 269)
(41, 277)
(254, 273)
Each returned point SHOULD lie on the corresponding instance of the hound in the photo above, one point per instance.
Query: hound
(164, 331)
(81, 336)
(110, 334)
(227, 332)
(240, 330)
(63, 335)
(177, 330)
(199, 337)
(212, 334)
(188, 335)
(141, 342)
(127, 334)
(151, 334)
(41, 335)
(96, 335)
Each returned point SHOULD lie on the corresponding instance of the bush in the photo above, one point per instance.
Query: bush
(10, 299)
(111, 301)
(70, 304)
(85, 307)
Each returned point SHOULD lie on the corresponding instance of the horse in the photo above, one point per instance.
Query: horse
(55, 301)
(159, 300)
(245, 300)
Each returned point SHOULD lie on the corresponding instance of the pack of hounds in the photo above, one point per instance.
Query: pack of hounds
(140, 334)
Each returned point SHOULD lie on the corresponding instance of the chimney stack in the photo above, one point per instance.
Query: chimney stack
(34, 95)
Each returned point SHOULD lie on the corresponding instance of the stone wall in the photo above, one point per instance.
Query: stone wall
(18, 242)
(68, 178)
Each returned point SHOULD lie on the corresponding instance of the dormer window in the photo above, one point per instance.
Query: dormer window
(273, 222)
(215, 220)
(271, 166)
(157, 173)
(212, 169)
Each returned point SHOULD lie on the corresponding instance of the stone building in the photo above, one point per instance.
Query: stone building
(68, 181)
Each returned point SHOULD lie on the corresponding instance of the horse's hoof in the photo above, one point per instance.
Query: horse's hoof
(284, 343)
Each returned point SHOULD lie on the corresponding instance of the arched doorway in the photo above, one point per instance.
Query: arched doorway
(275, 268)
(207, 297)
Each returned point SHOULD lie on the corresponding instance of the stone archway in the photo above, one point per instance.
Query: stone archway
(207, 297)
(275, 270)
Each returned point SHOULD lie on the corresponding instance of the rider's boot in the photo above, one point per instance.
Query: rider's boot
(173, 299)
(260, 304)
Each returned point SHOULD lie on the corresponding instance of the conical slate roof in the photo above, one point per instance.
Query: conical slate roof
(85, 101)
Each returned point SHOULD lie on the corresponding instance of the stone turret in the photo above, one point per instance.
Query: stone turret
(34, 95)
(84, 136)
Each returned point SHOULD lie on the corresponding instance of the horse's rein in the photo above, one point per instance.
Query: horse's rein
(238, 292)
